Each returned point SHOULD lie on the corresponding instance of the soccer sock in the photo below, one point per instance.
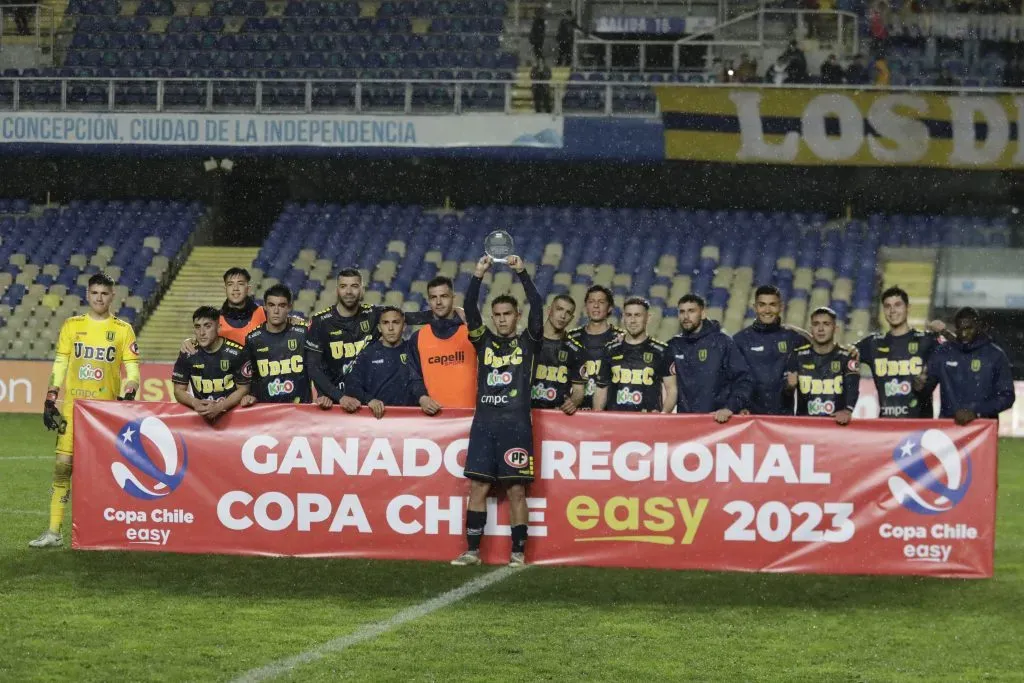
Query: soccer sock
(519, 538)
(60, 493)
(475, 523)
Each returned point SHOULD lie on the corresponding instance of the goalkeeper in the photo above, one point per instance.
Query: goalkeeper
(90, 351)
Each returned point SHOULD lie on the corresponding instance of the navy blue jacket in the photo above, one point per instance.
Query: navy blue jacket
(388, 374)
(710, 371)
(974, 376)
(766, 348)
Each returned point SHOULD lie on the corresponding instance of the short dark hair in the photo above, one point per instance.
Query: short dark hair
(825, 310)
(278, 290)
(637, 301)
(440, 281)
(390, 309)
(600, 288)
(232, 272)
(768, 290)
(566, 298)
(349, 272)
(896, 290)
(967, 312)
(206, 313)
(692, 299)
(101, 279)
(505, 299)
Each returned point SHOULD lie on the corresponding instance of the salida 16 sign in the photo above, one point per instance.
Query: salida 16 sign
(843, 127)
(677, 492)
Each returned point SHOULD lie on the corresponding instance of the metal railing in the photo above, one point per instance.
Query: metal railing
(33, 15)
(753, 30)
(314, 96)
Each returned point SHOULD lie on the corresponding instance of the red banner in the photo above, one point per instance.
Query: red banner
(676, 492)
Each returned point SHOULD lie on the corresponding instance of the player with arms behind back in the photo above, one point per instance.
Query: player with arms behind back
(501, 437)
(214, 372)
(595, 336)
(558, 381)
(274, 361)
(635, 370)
(91, 349)
(825, 376)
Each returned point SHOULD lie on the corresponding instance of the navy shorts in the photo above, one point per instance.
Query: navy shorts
(500, 450)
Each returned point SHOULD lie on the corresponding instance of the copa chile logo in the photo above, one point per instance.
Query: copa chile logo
(138, 442)
(920, 488)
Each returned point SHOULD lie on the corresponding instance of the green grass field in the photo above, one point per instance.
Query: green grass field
(76, 616)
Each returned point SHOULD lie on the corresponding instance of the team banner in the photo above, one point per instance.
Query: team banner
(674, 492)
(778, 125)
(281, 130)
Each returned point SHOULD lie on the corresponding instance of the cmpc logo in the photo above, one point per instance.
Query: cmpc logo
(930, 489)
(144, 476)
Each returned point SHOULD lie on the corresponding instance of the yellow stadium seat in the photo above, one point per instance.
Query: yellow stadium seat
(654, 319)
(51, 301)
(51, 269)
(114, 272)
(623, 280)
(397, 247)
(135, 302)
(715, 313)
(796, 313)
(153, 242)
(269, 282)
(786, 263)
(709, 251)
(36, 290)
(554, 250)
(21, 260)
(78, 260)
(803, 278)
(502, 281)
(577, 292)
(373, 298)
(681, 285)
(723, 278)
(107, 251)
(585, 269)
(668, 328)
(825, 274)
(467, 267)
(564, 279)
(658, 292)
(419, 287)
(448, 269)
(393, 298)
(201, 9)
(410, 307)
(667, 265)
(460, 299)
(603, 274)
(433, 256)
(307, 256)
(6, 279)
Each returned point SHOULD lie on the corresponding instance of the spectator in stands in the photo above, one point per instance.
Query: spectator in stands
(945, 79)
(23, 16)
(565, 38)
(880, 72)
(878, 26)
(777, 73)
(856, 74)
(540, 75)
(973, 374)
(796, 63)
(831, 71)
(746, 72)
(1013, 77)
(538, 32)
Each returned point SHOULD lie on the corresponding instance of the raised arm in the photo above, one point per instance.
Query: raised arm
(474, 320)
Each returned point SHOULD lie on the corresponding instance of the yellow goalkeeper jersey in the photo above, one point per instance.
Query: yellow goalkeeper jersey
(89, 357)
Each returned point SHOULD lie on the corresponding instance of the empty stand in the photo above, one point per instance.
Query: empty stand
(49, 255)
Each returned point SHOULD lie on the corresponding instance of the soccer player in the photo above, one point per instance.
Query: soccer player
(91, 349)
(558, 379)
(825, 375)
(711, 374)
(973, 374)
(897, 358)
(337, 334)
(501, 436)
(274, 361)
(385, 373)
(595, 336)
(443, 351)
(766, 345)
(635, 370)
(214, 372)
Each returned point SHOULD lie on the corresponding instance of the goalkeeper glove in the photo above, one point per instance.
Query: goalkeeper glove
(52, 418)
(128, 396)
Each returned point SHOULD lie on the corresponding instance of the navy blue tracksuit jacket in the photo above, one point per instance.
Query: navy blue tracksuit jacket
(388, 374)
(766, 348)
(974, 376)
(710, 371)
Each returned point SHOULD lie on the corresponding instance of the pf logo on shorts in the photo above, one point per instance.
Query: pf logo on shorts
(517, 458)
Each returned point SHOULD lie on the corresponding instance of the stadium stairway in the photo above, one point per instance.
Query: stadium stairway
(522, 94)
(198, 283)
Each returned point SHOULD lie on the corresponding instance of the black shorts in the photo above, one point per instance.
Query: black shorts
(500, 450)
